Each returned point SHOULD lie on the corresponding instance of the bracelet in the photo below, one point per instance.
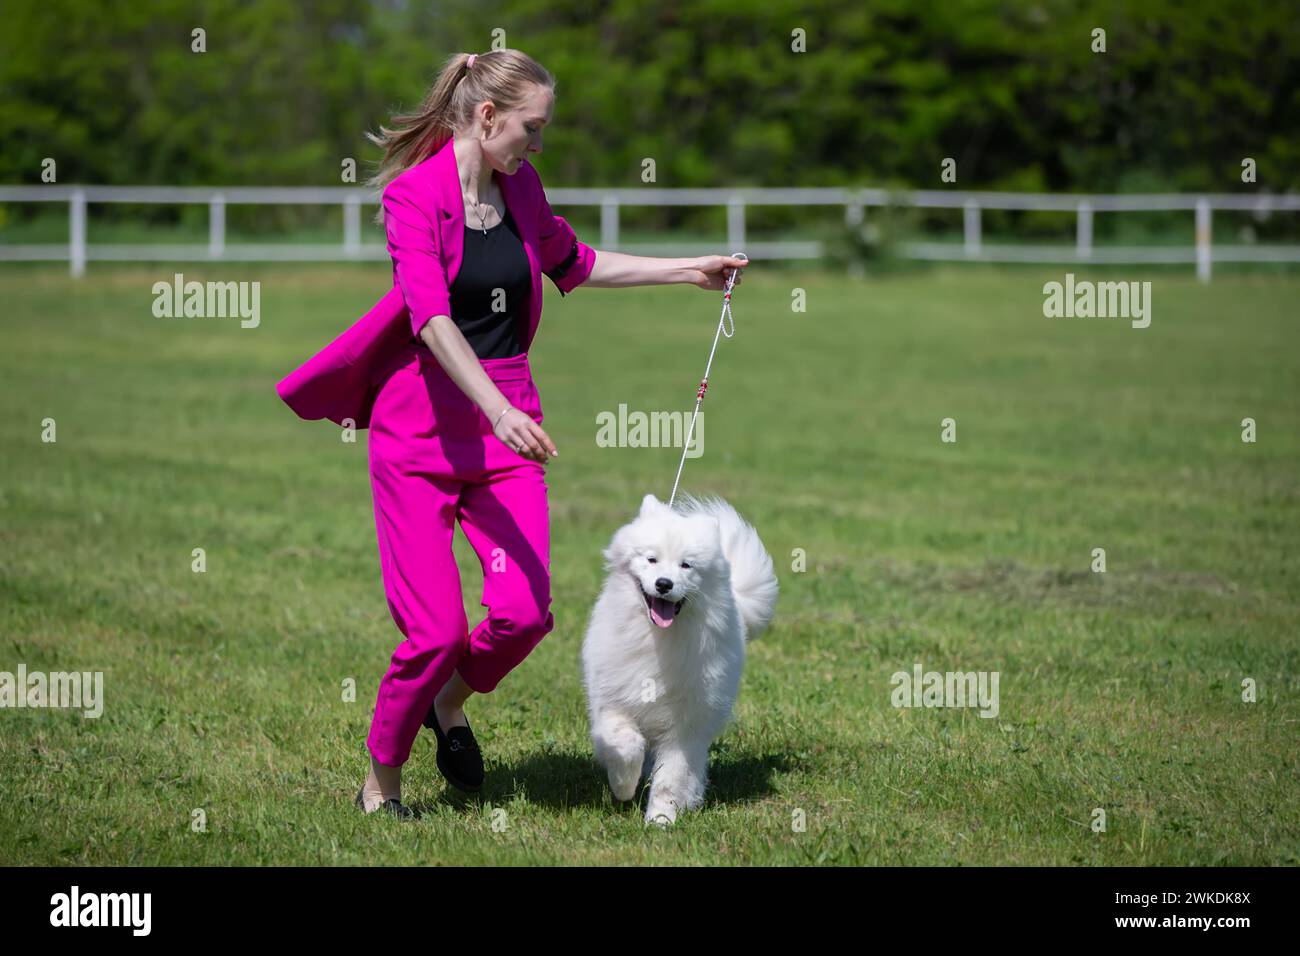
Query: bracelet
(498, 421)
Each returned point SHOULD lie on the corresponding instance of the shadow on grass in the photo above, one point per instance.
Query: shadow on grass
(562, 781)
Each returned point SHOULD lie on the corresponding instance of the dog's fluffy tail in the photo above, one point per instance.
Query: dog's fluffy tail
(752, 580)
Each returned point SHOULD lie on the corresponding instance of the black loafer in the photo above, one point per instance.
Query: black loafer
(459, 759)
(392, 805)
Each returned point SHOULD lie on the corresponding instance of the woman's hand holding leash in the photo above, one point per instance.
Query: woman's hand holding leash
(521, 434)
(712, 272)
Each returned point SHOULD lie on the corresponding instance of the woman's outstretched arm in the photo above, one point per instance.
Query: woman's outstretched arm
(614, 270)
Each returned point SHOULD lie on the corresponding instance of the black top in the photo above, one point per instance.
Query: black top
(493, 261)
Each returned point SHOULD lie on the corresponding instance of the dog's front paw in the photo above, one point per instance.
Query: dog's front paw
(623, 786)
(661, 813)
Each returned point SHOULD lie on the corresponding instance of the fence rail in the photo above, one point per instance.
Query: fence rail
(77, 252)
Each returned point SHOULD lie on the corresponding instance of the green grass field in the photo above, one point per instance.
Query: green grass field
(1120, 691)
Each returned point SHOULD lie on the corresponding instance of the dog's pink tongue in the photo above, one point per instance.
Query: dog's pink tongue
(662, 612)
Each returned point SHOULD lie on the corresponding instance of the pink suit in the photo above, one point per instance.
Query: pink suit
(433, 456)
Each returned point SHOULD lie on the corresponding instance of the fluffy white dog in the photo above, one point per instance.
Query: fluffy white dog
(687, 587)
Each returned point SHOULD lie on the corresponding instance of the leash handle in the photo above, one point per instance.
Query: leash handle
(704, 382)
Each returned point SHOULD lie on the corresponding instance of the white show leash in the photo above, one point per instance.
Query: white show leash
(704, 383)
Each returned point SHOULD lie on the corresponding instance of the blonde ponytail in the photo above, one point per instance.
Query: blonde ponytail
(503, 77)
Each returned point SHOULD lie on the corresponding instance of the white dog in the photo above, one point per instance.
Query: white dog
(687, 587)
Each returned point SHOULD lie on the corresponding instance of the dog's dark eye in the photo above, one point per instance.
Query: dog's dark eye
(651, 560)
(685, 565)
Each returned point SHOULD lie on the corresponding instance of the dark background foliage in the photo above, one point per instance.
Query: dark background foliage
(711, 90)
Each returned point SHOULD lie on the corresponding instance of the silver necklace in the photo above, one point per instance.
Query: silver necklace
(481, 220)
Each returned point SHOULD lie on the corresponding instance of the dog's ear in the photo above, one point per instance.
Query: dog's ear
(650, 503)
(616, 550)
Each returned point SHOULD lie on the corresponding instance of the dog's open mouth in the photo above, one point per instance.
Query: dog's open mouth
(662, 612)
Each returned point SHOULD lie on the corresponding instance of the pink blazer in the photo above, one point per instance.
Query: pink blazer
(424, 214)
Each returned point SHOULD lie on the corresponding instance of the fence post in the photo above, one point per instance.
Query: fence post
(77, 233)
(609, 223)
(971, 227)
(1083, 233)
(216, 226)
(352, 225)
(1203, 239)
(735, 224)
(853, 210)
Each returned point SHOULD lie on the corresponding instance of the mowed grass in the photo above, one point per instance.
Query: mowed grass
(1120, 691)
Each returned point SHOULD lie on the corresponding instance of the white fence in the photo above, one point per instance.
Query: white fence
(1203, 253)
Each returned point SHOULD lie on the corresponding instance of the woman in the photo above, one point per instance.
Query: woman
(439, 371)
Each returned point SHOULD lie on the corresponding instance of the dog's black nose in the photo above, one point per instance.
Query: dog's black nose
(663, 585)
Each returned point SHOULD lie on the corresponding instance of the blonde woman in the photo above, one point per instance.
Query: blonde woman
(439, 372)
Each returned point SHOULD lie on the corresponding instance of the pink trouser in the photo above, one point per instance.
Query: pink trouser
(433, 459)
